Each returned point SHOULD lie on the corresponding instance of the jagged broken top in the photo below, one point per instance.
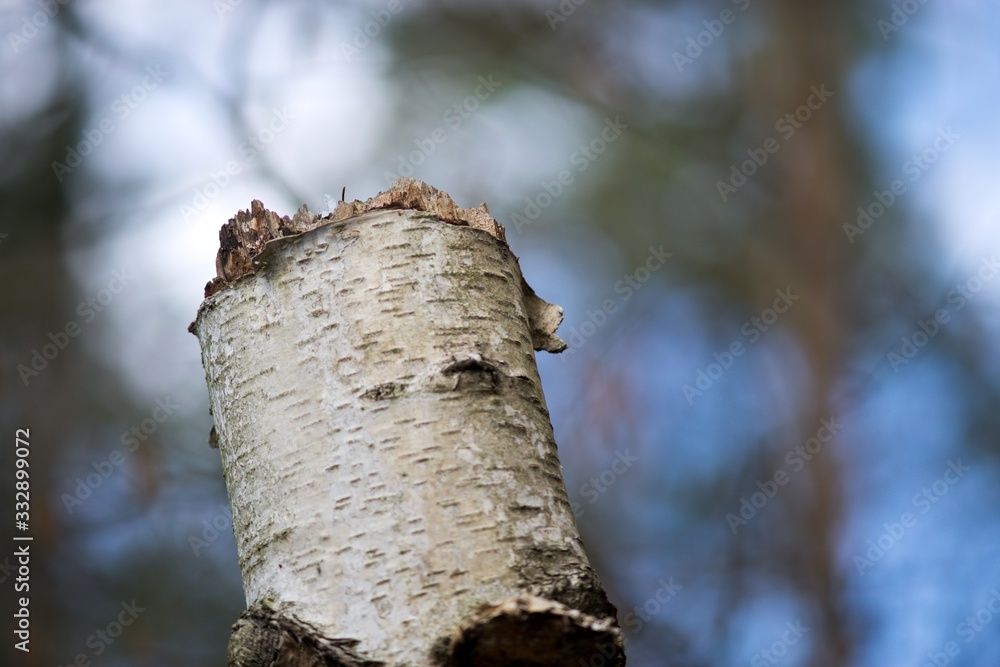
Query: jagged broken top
(245, 235)
(409, 193)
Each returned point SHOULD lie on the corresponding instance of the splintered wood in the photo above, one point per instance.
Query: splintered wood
(246, 234)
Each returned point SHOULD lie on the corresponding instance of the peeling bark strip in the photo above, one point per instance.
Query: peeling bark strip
(396, 492)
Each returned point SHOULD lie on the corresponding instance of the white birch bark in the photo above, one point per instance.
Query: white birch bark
(396, 492)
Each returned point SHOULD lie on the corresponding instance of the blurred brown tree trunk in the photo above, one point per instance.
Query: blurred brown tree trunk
(807, 54)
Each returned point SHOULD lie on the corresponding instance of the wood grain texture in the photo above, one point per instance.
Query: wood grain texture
(386, 446)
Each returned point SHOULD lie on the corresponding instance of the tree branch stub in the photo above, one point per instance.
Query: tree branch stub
(396, 491)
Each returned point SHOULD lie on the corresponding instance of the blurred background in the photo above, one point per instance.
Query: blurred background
(772, 227)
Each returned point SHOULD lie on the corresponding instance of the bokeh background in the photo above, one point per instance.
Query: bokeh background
(781, 440)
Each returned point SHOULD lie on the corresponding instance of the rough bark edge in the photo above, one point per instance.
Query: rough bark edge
(267, 636)
(547, 573)
(533, 631)
(409, 193)
(544, 318)
(246, 235)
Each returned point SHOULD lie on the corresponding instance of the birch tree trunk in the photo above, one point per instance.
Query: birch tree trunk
(396, 493)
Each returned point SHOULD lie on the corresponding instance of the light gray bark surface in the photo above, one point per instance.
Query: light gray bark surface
(386, 447)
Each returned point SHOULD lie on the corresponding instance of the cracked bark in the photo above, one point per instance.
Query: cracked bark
(396, 492)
